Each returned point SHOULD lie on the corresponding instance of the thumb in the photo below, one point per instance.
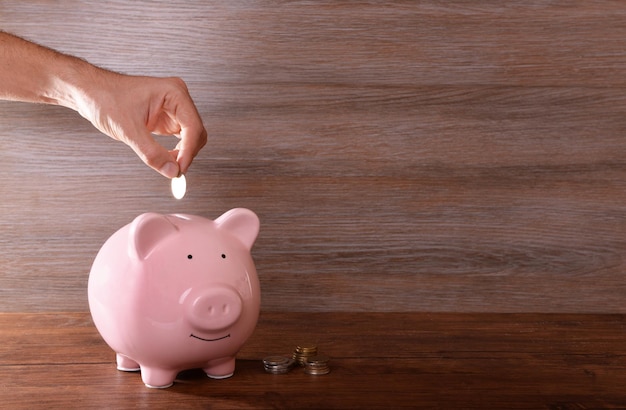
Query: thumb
(170, 170)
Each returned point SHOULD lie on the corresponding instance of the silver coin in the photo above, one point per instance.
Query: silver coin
(276, 360)
(179, 186)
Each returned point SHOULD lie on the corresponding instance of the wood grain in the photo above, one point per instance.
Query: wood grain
(378, 361)
(402, 156)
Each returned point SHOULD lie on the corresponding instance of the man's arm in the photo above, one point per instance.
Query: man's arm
(126, 108)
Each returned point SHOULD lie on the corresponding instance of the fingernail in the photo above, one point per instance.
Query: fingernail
(170, 170)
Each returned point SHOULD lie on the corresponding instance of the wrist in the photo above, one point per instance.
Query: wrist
(70, 82)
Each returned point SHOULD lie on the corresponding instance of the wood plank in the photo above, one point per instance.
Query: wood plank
(378, 360)
(402, 156)
(395, 43)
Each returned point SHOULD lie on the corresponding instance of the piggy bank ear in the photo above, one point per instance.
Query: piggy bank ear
(146, 231)
(242, 223)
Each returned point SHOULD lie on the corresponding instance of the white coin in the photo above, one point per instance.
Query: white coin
(179, 187)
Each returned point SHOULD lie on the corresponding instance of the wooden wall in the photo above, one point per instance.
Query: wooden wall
(402, 155)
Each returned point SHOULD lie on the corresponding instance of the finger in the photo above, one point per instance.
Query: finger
(191, 142)
(156, 156)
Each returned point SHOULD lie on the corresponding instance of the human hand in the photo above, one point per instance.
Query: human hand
(126, 108)
(132, 108)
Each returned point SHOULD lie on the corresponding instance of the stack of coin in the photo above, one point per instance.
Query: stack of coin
(278, 364)
(303, 352)
(316, 365)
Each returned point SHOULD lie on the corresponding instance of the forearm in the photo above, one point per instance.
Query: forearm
(32, 73)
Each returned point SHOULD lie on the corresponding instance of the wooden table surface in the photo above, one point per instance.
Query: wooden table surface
(378, 360)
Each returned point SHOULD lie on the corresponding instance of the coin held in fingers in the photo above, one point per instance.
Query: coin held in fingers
(179, 186)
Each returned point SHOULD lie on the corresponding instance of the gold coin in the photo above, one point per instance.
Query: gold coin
(317, 372)
(317, 360)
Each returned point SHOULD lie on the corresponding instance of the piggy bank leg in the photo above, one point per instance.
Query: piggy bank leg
(157, 378)
(220, 368)
(126, 364)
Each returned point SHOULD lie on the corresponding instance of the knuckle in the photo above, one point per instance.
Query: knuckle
(178, 83)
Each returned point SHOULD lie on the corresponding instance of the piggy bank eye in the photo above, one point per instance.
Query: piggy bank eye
(223, 256)
(189, 256)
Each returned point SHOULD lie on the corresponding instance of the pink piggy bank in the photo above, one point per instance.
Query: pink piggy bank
(175, 292)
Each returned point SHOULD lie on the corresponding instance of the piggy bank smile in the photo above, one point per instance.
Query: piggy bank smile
(209, 340)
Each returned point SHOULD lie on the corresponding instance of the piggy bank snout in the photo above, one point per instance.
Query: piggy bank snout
(215, 308)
